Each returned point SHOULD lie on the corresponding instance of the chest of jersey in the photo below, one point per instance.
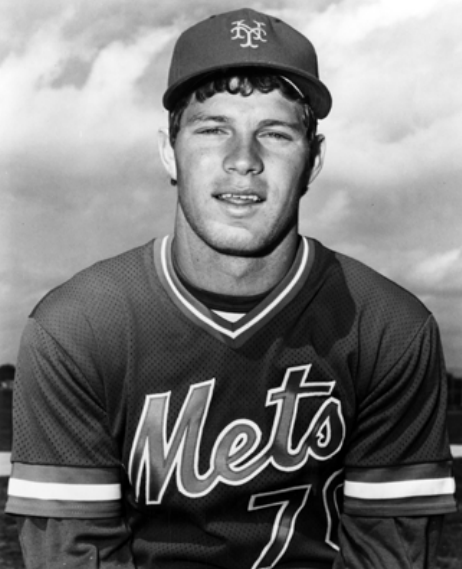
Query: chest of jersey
(219, 433)
(236, 438)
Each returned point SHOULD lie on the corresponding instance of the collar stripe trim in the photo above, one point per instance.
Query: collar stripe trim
(233, 334)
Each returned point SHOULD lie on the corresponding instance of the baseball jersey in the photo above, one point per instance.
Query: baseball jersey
(230, 443)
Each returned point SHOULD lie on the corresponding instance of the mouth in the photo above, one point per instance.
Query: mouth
(235, 198)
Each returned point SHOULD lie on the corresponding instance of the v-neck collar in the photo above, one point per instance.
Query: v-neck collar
(237, 333)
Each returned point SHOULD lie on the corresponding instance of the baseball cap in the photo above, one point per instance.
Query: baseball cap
(240, 39)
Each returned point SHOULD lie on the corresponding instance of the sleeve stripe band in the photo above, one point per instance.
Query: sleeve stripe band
(65, 474)
(67, 492)
(402, 473)
(393, 490)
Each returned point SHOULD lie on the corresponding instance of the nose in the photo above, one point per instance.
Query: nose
(243, 156)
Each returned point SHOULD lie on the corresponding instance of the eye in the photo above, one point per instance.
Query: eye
(210, 130)
(276, 135)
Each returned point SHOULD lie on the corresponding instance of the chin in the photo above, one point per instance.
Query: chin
(235, 247)
(243, 241)
(233, 251)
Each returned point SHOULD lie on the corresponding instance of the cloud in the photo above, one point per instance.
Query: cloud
(94, 25)
(395, 133)
(440, 273)
(42, 114)
(395, 82)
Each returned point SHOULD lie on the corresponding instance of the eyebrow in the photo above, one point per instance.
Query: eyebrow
(296, 125)
(203, 117)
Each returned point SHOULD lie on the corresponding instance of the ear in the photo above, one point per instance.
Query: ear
(318, 149)
(167, 154)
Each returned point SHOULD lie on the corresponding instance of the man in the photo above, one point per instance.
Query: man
(236, 395)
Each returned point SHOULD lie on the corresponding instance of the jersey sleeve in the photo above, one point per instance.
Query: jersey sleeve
(404, 542)
(398, 461)
(65, 461)
(93, 544)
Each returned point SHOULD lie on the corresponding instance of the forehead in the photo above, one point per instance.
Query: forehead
(256, 107)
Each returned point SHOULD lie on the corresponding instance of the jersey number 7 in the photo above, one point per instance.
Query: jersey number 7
(290, 502)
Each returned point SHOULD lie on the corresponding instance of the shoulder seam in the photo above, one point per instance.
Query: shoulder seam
(64, 351)
(429, 318)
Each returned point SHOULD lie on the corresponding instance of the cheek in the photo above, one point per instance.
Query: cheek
(291, 175)
(303, 170)
(196, 164)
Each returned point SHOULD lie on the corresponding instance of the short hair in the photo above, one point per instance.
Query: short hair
(237, 82)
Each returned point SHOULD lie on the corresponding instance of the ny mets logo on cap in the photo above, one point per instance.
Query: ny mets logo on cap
(245, 32)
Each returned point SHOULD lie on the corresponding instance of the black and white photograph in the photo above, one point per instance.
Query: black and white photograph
(231, 284)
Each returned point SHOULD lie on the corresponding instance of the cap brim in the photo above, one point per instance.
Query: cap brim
(312, 88)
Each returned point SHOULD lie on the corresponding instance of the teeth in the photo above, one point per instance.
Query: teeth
(240, 197)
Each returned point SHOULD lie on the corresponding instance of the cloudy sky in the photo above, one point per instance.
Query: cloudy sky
(80, 105)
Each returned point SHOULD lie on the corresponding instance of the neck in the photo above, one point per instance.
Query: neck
(217, 272)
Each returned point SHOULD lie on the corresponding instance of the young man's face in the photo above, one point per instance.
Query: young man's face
(242, 164)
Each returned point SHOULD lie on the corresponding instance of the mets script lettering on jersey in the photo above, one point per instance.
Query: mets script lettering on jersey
(244, 31)
(234, 458)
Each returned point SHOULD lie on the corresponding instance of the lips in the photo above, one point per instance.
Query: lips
(240, 194)
(239, 199)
